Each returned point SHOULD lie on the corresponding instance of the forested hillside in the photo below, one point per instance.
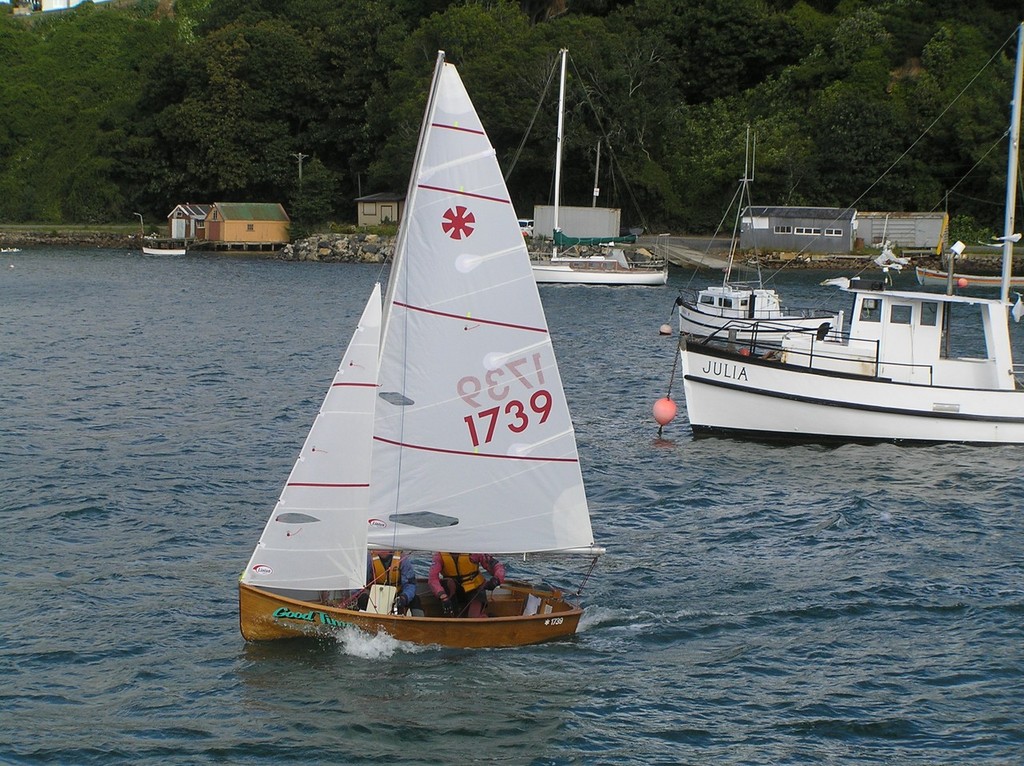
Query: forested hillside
(893, 105)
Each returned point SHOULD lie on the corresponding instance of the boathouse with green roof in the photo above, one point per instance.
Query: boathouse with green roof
(247, 223)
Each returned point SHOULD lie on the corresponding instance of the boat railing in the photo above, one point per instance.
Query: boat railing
(873, 358)
(811, 353)
(1018, 375)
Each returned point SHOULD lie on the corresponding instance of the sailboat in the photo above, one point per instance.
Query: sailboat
(893, 378)
(740, 309)
(446, 427)
(611, 266)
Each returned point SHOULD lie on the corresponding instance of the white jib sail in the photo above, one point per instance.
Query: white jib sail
(316, 536)
(474, 447)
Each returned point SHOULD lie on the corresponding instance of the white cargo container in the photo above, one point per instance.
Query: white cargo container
(576, 221)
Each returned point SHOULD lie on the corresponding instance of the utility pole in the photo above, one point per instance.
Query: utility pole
(300, 157)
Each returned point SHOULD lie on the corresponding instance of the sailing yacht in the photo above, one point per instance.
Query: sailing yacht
(611, 266)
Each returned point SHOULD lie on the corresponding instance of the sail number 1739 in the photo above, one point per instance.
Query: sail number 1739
(517, 417)
(516, 414)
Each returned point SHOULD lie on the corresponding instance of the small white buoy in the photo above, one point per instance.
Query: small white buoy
(664, 411)
(665, 329)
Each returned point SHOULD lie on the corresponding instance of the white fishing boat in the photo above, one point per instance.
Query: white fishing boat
(608, 267)
(915, 366)
(446, 427)
(743, 308)
(154, 246)
(10, 249)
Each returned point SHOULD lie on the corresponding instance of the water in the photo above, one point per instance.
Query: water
(759, 604)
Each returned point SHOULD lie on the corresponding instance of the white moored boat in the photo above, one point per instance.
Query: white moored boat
(915, 366)
(745, 308)
(610, 266)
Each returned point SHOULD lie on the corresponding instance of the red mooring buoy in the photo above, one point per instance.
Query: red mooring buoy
(664, 411)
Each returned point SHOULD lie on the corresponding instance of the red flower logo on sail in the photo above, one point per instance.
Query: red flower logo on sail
(458, 223)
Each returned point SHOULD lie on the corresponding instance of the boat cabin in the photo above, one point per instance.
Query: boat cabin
(744, 302)
(919, 327)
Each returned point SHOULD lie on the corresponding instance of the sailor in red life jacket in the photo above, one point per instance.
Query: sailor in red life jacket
(391, 568)
(456, 579)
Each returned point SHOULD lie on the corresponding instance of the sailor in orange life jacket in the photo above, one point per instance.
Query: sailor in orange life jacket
(456, 579)
(391, 568)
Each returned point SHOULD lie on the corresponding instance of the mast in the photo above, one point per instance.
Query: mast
(558, 144)
(410, 196)
(1011, 169)
(742, 196)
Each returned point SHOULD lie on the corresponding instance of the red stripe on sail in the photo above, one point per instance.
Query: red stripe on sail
(474, 131)
(464, 194)
(323, 485)
(354, 385)
(471, 319)
(476, 454)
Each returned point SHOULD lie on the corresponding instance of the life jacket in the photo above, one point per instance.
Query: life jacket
(460, 568)
(389, 576)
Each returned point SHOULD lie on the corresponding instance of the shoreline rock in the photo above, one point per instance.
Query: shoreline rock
(340, 248)
(375, 249)
(75, 239)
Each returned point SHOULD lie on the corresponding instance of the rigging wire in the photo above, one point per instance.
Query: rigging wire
(918, 140)
(536, 111)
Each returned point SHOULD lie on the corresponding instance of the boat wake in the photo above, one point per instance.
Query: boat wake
(357, 643)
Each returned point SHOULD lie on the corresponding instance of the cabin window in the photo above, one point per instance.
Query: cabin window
(900, 314)
(725, 303)
(708, 300)
(870, 311)
(744, 302)
(929, 313)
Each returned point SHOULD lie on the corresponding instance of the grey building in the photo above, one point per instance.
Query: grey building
(798, 229)
(913, 231)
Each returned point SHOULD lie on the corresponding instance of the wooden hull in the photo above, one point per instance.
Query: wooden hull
(265, 615)
(937, 278)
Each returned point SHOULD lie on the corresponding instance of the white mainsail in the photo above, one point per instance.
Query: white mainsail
(316, 536)
(474, 448)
